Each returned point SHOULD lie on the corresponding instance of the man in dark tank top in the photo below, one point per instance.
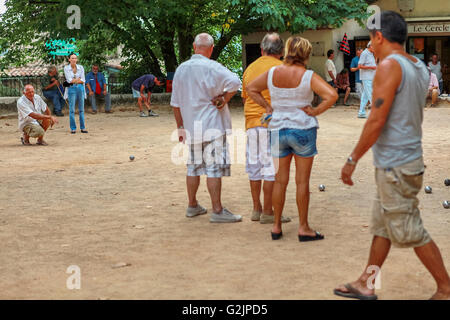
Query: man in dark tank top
(394, 132)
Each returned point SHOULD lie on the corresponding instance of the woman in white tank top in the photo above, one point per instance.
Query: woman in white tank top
(293, 128)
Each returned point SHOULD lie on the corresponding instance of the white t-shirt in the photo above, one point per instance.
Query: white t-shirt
(25, 107)
(367, 59)
(69, 75)
(329, 66)
(196, 82)
(436, 69)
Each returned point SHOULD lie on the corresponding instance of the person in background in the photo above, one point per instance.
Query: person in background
(394, 132)
(259, 164)
(96, 85)
(354, 67)
(52, 90)
(34, 117)
(433, 88)
(330, 69)
(293, 128)
(435, 66)
(145, 83)
(367, 66)
(343, 84)
(74, 74)
(201, 91)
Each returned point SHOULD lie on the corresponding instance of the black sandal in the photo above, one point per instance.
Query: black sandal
(73, 132)
(318, 236)
(276, 236)
(84, 131)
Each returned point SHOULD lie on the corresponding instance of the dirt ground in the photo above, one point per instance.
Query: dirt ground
(81, 201)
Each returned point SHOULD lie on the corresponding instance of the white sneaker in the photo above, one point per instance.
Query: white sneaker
(142, 114)
(224, 216)
(198, 210)
(152, 113)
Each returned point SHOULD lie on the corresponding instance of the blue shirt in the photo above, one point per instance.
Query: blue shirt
(148, 80)
(90, 78)
(354, 64)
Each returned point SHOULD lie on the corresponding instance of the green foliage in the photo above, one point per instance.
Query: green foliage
(157, 35)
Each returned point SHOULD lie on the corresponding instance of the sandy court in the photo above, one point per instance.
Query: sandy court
(81, 201)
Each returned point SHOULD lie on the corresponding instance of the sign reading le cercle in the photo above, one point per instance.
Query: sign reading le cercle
(429, 27)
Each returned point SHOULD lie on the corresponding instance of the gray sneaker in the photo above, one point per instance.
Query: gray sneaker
(152, 113)
(266, 219)
(142, 114)
(224, 216)
(198, 210)
(255, 215)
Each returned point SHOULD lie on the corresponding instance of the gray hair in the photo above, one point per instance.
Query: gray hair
(203, 40)
(26, 86)
(51, 68)
(272, 44)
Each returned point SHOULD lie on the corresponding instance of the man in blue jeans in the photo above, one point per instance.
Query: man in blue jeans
(52, 90)
(96, 86)
(367, 66)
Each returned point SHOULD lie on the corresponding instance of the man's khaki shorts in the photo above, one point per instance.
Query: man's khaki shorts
(34, 130)
(396, 215)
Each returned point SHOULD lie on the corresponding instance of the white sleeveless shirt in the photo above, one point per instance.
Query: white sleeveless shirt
(286, 104)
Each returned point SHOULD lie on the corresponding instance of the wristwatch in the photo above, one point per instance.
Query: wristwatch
(180, 127)
(351, 161)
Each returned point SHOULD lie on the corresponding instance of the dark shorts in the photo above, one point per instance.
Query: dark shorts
(331, 83)
(342, 90)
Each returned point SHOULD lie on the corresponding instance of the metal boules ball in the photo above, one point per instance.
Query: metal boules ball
(428, 189)
(447, 182)
(322, 187)
(446, 204)
(131, 158)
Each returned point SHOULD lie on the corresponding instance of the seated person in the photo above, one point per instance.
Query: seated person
(145, 83)
(343, 84)
(433, 88)
(96, 86)
(52, 90)
(34, 116)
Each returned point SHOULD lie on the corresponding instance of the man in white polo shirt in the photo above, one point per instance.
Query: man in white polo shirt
(34, 116)
(367, 68)
(201, 90)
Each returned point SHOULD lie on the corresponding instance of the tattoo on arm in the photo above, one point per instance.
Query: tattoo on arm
(379, 102)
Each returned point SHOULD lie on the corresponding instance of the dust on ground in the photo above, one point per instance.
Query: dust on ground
(81, 201)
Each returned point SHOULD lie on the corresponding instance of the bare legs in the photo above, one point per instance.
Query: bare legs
(302, 174)
(192, 184)
(146, 102)
(429, 254)
(255, 187)
(214, 188)
(347, 93)
(282, 166)
(431, 257)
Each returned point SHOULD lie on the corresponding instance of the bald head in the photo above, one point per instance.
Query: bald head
(28, 91)
(272, 45)
(203, 44)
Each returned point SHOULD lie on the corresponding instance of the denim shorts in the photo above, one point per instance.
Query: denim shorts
(297, 141)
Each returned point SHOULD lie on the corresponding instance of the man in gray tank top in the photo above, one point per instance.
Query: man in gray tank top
(394, 131)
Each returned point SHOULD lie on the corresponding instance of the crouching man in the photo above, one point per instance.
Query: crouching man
(34, 116)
